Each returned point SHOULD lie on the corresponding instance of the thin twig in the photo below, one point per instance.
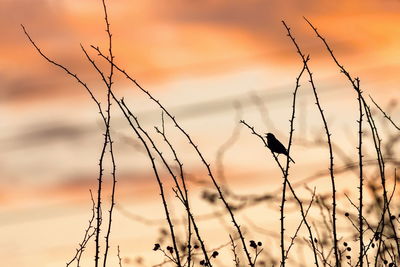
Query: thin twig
(119, 257)
(203, 160)
(235, 256)
(299, 202)
(103, 150)
(384, 114)
(182, 195)
(375, 134)
(286, 172)
(87, 236)
(161, 188)
(328, 136)
(292, 239)
(361, 177)
(113, 172)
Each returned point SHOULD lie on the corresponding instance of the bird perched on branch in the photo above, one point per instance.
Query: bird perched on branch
(276, 146)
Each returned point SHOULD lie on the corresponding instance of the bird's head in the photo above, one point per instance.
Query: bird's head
(270, 136)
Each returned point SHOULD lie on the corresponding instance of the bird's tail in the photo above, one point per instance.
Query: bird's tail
(291, 159)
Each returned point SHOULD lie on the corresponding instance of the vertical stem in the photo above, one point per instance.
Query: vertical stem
(360, 158)
(196, 148)
(302, 211)
(98, 205)
(109, 86)
(161, 187)
(375, 135)
(286, 172)
(328, 136)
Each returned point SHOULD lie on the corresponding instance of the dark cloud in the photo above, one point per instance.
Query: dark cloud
(157, 40)
(39, 134)
(262, 20)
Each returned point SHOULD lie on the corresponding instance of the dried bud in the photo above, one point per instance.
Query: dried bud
(170, 249)
(215, 254)
(156, 247)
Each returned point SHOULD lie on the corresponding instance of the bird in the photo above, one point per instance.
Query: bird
(276, 146)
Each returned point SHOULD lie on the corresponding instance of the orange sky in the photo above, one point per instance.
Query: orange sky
(197, 57)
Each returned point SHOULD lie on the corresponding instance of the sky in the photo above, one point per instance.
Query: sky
(211, 63)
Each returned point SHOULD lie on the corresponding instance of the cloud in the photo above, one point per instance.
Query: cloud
(157, 40)
(47, 133)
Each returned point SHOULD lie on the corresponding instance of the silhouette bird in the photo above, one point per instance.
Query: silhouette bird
(276, 146)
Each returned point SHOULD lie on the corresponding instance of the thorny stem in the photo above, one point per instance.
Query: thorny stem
(119, 257)
(152, 159)
(148, 152)
(106, 138)
(328, 136)
(286, 172)
(207, 165)
(183, 196)
(191, 218)
(87, 236)
(361, 179)
(303, 213)
(114, 181)
(235, 256)
(384, 114)
(98, 218)
(292, 239)
(375, 134)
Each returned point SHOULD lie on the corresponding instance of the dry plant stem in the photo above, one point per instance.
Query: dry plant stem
(112, 202)
(105, 121)
(87, 236)
(292, 239)
(99, 218)
(109, 87)
(210, 174)
(235, 256)
(257, 254)
(328, 136)
(381, 163)
(303, 213)
(161, 187)
(182, 195)
(367, 247)
(147, 151)
(286, 172)
(368, 226)
(321, 253)
(106, 138)
(361, 178)
(375, 134)
(75, 76)
(186, 197)
(108, 82)
(119, 257)
(197, 254)
(384, 114)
